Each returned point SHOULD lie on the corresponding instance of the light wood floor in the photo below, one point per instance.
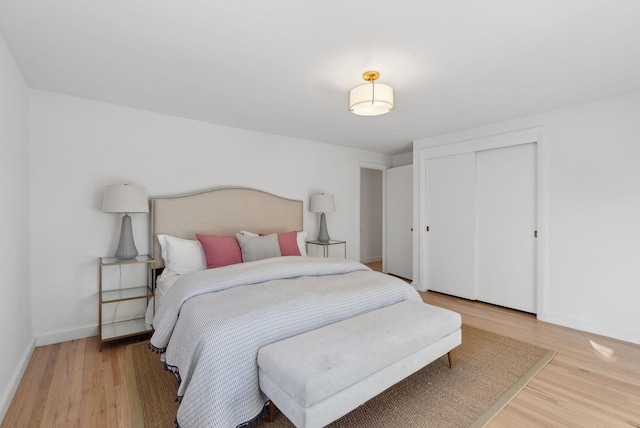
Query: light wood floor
(592, 382)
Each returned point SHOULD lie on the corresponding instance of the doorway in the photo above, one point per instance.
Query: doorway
(371, 214)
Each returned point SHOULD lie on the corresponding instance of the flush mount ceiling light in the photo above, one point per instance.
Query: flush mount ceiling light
(371, 99)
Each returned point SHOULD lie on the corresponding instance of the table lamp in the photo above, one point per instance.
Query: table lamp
(322, 203)
(125, 198)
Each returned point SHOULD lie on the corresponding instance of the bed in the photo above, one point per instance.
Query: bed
(211, 322)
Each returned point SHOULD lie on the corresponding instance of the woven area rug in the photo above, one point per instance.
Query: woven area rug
(489, 370)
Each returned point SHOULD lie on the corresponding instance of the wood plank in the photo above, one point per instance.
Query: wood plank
(89, 393)
(56, 409)
(75, 380)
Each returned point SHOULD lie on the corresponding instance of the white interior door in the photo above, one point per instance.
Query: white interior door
(506, 211)
(451, 219)
(400, 221)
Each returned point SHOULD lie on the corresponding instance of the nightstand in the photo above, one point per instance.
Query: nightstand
(125, 287)
(326, 247)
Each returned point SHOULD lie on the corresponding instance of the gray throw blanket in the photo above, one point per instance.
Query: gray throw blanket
(212, 324)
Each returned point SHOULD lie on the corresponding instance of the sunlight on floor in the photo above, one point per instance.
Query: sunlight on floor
(603, 352)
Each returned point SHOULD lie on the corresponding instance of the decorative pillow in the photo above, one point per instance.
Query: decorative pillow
(258, 247)
(181, 256)
(220, 250)
(289, 243)
(301, 240)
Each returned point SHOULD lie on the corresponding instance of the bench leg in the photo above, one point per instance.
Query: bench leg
(450, 355)
(271, 412)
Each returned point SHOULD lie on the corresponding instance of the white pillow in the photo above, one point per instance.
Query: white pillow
(182, 256)
(302, 242)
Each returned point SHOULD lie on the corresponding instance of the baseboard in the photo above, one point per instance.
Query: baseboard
(14, 382)
(371, 260)
(627, 336)
(65, 335)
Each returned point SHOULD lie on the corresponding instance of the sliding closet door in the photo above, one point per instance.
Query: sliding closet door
(506, 210)
(451, 219)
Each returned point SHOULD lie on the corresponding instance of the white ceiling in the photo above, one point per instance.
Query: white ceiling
(285, 66)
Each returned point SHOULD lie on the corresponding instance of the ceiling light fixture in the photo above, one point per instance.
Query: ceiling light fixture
(371, 99)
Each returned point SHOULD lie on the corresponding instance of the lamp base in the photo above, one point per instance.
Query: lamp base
(126, 247)
(323, 235)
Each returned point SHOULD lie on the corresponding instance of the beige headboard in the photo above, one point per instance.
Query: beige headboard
(222, 212)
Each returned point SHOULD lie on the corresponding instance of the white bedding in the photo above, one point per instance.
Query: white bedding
(212, 323)
(163, 285)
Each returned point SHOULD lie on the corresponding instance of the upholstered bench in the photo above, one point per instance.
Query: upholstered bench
(316, 377)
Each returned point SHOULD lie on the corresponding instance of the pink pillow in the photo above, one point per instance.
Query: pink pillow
(289, 243)
(220, 250)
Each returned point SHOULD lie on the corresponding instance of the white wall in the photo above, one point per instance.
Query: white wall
(16, 335)
(371, 190)
(591, 189)
(402, 159)
(78, 146)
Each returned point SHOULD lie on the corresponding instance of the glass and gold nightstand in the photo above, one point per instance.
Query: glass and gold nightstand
(326, 247)
(125, 287)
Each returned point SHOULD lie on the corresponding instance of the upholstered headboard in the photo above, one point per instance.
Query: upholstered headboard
(222, 212)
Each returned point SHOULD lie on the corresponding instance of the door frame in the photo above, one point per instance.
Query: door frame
(523, 136)
(383, 168)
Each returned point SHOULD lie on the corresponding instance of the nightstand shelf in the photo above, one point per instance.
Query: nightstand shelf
(326, 247)
(122, 329)
(121, 284)
(124, 294)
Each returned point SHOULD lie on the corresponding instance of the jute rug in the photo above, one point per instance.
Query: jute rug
(489, 370)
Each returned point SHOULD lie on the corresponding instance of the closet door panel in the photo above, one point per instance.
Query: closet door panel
(506, 210)
(451, 218)
(400, 221)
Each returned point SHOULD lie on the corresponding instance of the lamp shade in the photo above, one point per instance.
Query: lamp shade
(322, 203)
(125, 198)
(371, 99)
